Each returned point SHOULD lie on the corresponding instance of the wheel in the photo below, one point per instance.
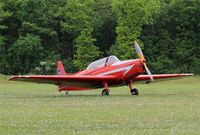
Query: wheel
(66, 93)
(105, 92)
(134, 92)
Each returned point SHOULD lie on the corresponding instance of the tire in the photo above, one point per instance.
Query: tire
(105, 92)
(134, 92)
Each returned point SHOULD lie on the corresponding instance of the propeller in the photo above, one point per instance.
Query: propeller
(141, 56)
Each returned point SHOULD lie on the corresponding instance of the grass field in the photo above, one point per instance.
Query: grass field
(171, 107)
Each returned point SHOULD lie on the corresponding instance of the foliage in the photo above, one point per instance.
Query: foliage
(104, 29)
(86, 52)
(3, 15)
(175, 36)
(3, 62)
(37, 18)
(77, 16)
(79, 23)
(45, 69)
(131, 16)
(80, 31)
(25, 54)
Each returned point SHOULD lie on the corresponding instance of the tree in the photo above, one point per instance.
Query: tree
(86, 52)
(104, 29)
(80, 31)
(79, 23)
(131, 16)
(174, 36)
(37, 18)
(78, 15)
(25, 54)
(3, 15)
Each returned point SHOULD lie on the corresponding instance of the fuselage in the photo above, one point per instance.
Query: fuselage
(124, 71)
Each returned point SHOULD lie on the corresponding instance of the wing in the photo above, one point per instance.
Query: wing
(84, 82)
(54, 79)
(145, 78)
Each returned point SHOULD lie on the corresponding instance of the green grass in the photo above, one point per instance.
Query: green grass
(171, 107)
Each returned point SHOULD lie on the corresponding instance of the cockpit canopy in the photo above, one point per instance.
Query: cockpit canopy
(102, 62)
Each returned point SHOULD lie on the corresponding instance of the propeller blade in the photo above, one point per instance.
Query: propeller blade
(148, 72)
(141, 56)
(138, 50)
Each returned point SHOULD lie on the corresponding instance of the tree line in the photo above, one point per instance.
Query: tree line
(35, 34)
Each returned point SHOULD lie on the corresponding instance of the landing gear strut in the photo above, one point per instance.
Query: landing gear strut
(133, 91)
(105, 92)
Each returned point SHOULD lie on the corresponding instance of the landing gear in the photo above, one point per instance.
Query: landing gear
(66, 93)
(133, 91)
(104, 92)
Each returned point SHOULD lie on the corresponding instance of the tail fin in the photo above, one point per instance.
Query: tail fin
(60, 68)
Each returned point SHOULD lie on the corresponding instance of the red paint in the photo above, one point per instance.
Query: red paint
(60, 68)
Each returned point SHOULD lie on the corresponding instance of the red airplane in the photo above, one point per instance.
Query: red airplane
(109, 71)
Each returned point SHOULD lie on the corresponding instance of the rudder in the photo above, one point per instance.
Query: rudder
(60, 68)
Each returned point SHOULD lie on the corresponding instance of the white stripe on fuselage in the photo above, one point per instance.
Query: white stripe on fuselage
(127, 68)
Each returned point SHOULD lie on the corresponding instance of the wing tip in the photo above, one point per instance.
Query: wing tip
(189, 74)
(11, 78)
(14, 78)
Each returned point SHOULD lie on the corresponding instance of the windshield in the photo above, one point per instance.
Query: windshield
(103, 62)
